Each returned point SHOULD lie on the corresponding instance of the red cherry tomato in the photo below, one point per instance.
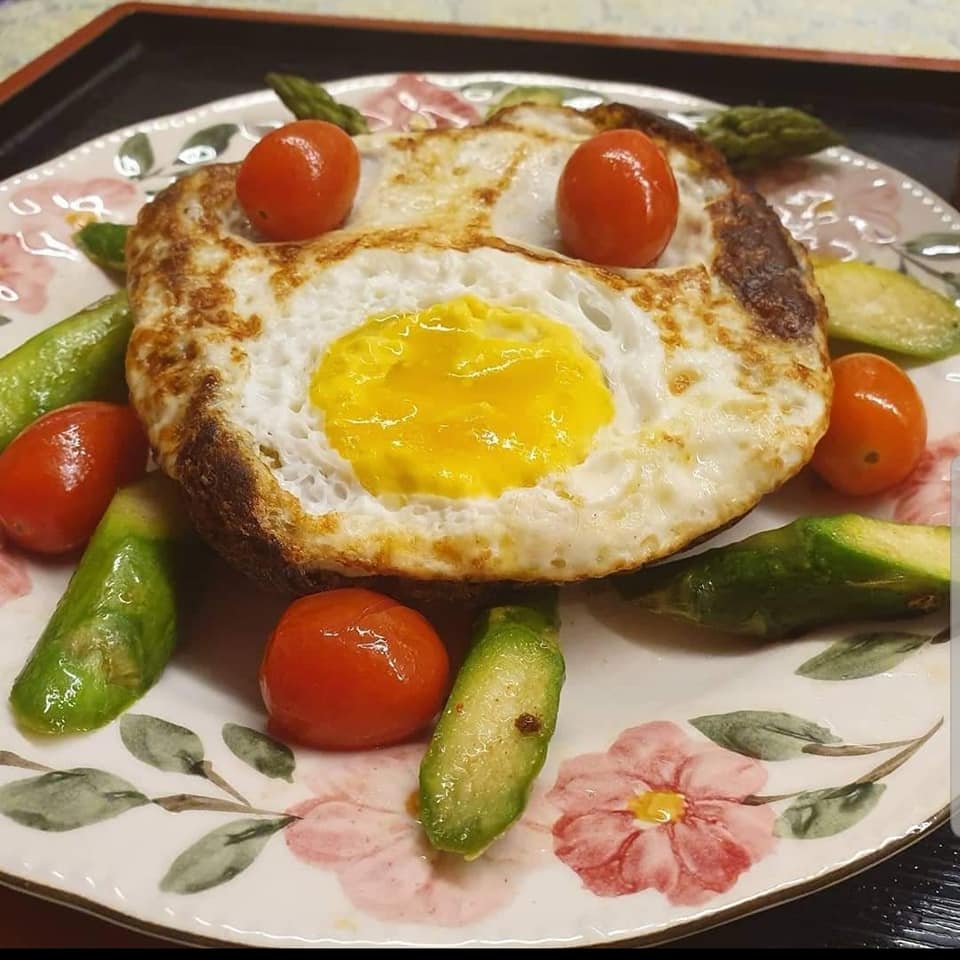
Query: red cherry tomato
(58, 476)
(351, 669)
(300, 180)
(878, 427)
(617, 200)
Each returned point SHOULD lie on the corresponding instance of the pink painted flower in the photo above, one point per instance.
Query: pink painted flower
(362, 824)
(54, 198)
(23, 276)
(924, 497)
(52, 207)
(412, 102)
(833, 209)
(14, 577)
(660, 810)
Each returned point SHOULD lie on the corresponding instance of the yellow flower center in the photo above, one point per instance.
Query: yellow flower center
(655, 806)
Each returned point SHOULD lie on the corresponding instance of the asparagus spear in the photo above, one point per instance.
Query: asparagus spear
(104, 244)
(751, 137)
(492, 737)
(814, 571)
(307, 100)
(116, 626)
(80, 358)
(886, 309)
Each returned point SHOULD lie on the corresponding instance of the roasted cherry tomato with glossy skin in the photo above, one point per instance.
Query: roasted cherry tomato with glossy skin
(878, 426)
(300, 180)
(617, 200)
(352, 669)
(58, 476)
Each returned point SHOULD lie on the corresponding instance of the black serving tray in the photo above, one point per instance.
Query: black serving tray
(139, 61)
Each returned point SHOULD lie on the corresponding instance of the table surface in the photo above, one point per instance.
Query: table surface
(923, 28)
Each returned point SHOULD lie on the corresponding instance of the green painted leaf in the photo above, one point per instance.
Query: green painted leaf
(763, 734)
(135, 156)
(823, 813)
(220, 855)
(266, 755)
(206, 145)
(162, 744)
(935, 245)
(861, 655)
(67, 799)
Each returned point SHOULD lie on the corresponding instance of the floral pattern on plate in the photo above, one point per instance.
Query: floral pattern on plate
(362, 824)
(833, 210)
(14, 576)
(924, 497)
(24, 277)
(660, 810)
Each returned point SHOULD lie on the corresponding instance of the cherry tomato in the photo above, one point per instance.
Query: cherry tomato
(350, 669)
(300, 180)
(617, 200)
(878, 427)
(58, 476)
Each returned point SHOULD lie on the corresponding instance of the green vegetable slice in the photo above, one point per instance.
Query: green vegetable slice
(104, 244)
(548, 96)
(812, 572)
(886, 309)
(492, 737)
(80, 358)
(116, 626)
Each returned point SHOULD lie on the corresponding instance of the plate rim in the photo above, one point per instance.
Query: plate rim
(791, 890)
(701, 924)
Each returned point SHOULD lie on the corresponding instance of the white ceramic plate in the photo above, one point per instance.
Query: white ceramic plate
(323, 849)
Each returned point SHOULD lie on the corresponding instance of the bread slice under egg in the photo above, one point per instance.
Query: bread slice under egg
(716, 357)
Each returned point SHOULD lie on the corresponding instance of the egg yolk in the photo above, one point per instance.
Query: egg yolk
(461, 399)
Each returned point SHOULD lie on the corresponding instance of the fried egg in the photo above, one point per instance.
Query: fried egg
(435, 391)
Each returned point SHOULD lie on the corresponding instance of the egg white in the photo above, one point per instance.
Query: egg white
(631, 486)
(710, 413)
(273, 404)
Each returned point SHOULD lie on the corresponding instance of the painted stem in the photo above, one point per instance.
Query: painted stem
(872, 776)
(852, 749)
(10, 759)
(181, 802)
(888, 766)
(205, 769)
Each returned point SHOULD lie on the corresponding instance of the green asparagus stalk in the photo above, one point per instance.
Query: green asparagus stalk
(492, 737)
(307, 100)
(116, 626)
(812, 572)
(80, 358)
(752, 137)
(104, 244)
